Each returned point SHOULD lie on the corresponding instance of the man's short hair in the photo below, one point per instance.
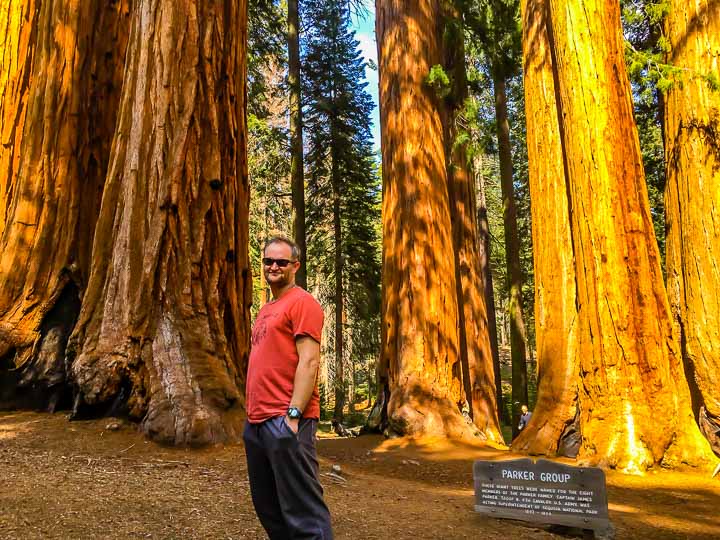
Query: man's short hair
(294, 249)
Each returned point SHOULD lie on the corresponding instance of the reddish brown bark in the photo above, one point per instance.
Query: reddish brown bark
(633, 397)
(473, 331)
(555, 294)
(692, 198)
(420, 351)
(17, 48)
(60, 96)
(164, 320)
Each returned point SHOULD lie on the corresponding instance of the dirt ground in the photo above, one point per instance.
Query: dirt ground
(61, 479)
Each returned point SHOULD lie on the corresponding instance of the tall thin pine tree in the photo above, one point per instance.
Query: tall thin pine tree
(343, 183)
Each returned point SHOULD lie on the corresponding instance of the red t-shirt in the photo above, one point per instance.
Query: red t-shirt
(274, 357)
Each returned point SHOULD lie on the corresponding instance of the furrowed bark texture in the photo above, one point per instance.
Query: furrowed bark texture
(420, 356)
(19, 21)
(692, 197)
(164, 321)
(518, 335)
(633, 396)
(555, 294)
(62, 66)
(473, 332)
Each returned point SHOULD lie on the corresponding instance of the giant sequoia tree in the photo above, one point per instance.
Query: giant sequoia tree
(474, 331)
(163, 324)
(493, 22)
(421, 359)
(692, 146)
(555, 294)
(62, 73)
(634, 402)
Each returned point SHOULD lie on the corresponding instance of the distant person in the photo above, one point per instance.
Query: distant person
(283, 405)
(524, 417)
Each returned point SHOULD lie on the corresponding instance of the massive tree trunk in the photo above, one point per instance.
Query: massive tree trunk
(633, 398)
(518, 339)
(692, 199)
(555, 294)
(60, 94)
(19, 21)
(164, 320)
(297, 177)
(473, 333)
(420, 358)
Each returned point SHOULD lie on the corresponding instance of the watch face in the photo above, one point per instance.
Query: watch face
(294, 413)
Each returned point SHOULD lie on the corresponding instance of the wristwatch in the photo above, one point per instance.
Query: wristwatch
(294, 413)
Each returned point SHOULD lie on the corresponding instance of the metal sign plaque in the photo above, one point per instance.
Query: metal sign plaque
(542, 492)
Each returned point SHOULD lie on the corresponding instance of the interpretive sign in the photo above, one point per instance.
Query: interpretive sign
(542, 492)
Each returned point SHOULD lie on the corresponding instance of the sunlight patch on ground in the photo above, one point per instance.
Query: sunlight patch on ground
(12, 425)
(623, 508)
(439, 449)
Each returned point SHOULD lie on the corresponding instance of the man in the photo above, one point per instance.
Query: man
(524, 417)
(283, 405)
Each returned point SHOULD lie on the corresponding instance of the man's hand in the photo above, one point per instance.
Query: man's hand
(294, 424)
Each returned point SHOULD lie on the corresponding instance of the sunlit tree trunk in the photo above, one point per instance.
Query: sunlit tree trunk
(297, 177)
(489, 291)
(420, 360)
(61, 76)
(518, 338)
(20, 21)
(555, 295)
(692, 198)
(164, 320)
(473, 333)
(633, 396)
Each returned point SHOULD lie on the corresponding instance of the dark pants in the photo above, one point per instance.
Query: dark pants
(283, 471)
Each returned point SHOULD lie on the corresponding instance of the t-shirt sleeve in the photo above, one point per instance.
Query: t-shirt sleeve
(307, 317)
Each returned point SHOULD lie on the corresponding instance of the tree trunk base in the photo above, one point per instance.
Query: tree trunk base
(33, 375)
(429, 416)
(710, 427)
(549, 436)
(177, 388)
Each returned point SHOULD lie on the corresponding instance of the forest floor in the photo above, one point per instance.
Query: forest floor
(61, 479)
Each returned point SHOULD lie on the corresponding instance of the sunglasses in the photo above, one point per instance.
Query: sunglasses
(282, 263)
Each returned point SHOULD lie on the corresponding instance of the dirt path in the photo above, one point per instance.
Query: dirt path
(79, 480)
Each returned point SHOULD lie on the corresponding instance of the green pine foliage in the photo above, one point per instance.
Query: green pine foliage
(340, 161)
(268, 146)
(649, 76)
(646, 49)
(495, 25)
(493, 49)
(267, 42)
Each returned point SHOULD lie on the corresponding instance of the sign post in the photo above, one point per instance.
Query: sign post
(543, 492)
